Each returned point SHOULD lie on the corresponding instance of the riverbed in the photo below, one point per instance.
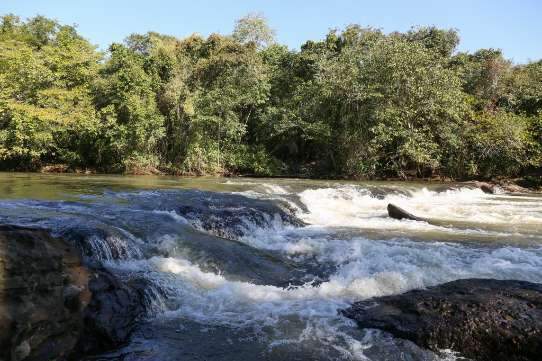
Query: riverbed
(257, 269)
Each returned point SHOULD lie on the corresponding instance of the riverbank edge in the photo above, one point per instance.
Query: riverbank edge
(527, 183)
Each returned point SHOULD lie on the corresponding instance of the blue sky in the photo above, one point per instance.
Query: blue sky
(513, 26)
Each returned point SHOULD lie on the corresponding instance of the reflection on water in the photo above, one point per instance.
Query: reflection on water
(257, 268)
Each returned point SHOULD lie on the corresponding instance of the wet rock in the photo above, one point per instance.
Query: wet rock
(513, 188)
(52, 306)
(115, 309)
(487, 188)
(95, 242)
(486, 320)
(42, 292)
(220, 220)
(234, 216)
(238, 261)
(502, 185)
(399, 213)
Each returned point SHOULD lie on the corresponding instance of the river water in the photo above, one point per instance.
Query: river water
(256, 269)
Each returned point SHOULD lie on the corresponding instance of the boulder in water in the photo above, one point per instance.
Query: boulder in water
(399, 213)
(113, 312)
(487, 188)
(483, 319)
(234, 216)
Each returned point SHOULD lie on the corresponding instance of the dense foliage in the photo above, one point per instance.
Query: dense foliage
(359, 103)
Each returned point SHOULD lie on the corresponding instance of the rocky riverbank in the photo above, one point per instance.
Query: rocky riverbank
(55, 307)
(485, 320)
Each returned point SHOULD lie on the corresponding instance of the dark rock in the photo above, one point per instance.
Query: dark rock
(53, 307)
(486, 320)
(487, 188)
(220, 221)
(234, 216)
(238, 261)
(42, 290)
(399, 213)
(113, 312)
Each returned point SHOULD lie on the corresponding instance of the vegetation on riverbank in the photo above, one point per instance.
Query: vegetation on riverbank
(359, 103)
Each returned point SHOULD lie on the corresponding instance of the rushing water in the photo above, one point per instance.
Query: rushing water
(246, 269)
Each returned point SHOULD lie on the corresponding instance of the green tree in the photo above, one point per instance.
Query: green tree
(126, 104)
(393, 105)
(45, 102)
(443, 42)
(228, 84)
(524, 89)
(357, 103)
(253, 28)
(484, 75)
(499, 144)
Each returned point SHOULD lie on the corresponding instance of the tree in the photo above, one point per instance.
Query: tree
(524, 89)
(228, 84)
(45, 102)
(484, 75)
(443, 42)
(127, 107)
(253, 28)
(498, 144)
(393, 106)
(357, 103)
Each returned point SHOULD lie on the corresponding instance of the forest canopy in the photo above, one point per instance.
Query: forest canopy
(359, 103)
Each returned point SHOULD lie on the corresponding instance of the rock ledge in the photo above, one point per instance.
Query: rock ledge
(483, 319)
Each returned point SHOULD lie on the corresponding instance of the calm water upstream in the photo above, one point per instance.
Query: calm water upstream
(250, 269)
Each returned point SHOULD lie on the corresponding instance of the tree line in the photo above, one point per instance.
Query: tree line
(359, 103)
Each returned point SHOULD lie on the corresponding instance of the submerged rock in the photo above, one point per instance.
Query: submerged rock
(234, 216)
(486, 320)
(399, 213)
(237, 261)
(506, 186)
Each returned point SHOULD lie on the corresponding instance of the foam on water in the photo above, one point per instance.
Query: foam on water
(346, 226)
(364, 267)
(460, 214)
(456, 214)
(351, 205)
(174, 215)
(368, 268)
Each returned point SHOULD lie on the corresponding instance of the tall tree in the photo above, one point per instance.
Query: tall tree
(46, 110)
(253, 28)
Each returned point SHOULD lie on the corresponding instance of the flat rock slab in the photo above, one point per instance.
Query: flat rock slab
(483, 319)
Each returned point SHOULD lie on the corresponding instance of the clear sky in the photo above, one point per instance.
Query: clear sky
(513, 26)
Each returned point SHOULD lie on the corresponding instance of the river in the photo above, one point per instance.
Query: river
(256, 269)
